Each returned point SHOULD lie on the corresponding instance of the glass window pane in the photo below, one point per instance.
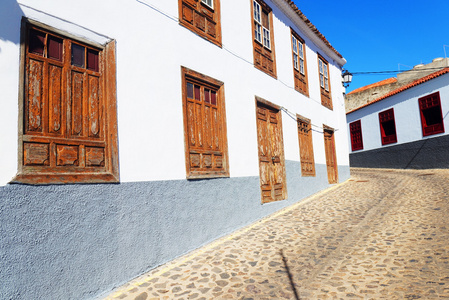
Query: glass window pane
(295, 61)
(207, 95)
(213, 98)
(54, 48)
(92, 60)
(189, 90)
(256, 11)
(295, 47)
(257, 33)
(197, 93)
(78, 54)
(36, 42)
(301, 63)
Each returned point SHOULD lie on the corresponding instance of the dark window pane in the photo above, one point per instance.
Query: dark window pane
(206, 95)
(54, 48)
(389, 128)
(78, 55)
(432, 115)
(189, 90)
(197, 92)
(92, 60)
(36, 42)
(213, 98)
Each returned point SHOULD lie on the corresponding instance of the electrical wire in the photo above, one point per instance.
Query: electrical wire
(392, 72)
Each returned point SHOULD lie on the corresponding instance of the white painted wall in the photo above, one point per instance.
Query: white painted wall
(151, 48)
(406, 113)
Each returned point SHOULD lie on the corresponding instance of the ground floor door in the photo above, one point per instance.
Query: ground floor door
(271, 153)
(331, 156)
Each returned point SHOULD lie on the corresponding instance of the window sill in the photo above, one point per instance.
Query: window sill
(65, 178)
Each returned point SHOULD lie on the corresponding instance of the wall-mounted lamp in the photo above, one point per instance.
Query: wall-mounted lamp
(347, 78)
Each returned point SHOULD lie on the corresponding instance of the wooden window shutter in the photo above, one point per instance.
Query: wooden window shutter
(387, 127)
(299, 64)
(68, 110)
(305, 146)
(355, 129)
(431, 114)
(263, 38)
(325, 86)
(202, 17)
(204, 126)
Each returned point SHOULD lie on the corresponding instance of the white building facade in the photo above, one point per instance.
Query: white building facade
(137, 131)
(407, 128)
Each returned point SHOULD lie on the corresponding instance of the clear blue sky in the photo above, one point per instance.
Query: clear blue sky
(378, 35)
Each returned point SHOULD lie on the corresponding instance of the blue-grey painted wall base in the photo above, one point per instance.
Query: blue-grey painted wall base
(80, 241)
(423, 154)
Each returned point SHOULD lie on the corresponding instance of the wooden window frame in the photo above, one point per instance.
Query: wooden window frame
(202, 19)
(299, 74)
(386, 118)
(305, 146)
(264, 57)
(431, 104)
(203, 161)
(326, 96)
(355, 129)
(42, 154)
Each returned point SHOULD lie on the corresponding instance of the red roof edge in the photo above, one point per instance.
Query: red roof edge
(376, 84)
(405, 87)
(312, 27)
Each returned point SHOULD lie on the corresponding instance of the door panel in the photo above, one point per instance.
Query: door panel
(271, 154)
(331, 158)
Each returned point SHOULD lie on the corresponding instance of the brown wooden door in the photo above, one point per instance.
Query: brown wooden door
(331, 157)
(271, 154)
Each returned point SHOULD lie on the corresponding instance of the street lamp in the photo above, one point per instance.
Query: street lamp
(347, 78)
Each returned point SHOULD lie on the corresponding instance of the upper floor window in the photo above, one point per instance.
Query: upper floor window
(431, 114)
(355, 128)
(264, 56)
(205, 139)
(202, 17)
(387, 127)
(67, 130)
(326, 99)
(299, 64)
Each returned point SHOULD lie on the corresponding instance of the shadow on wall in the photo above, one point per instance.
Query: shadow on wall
(10, 18)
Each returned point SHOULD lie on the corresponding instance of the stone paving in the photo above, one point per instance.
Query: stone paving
(384, 234)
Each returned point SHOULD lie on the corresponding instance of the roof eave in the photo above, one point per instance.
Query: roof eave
(303, 23)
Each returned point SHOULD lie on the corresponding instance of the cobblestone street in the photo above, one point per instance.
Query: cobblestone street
(384, 234)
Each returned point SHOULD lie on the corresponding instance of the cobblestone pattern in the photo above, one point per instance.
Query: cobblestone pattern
(384, 234)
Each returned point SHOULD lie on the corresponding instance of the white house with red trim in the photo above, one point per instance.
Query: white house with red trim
(136, 131)
(406, 128)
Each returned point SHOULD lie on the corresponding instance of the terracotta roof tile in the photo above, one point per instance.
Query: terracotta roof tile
(405, 87)
(376, 84)
(312, 27)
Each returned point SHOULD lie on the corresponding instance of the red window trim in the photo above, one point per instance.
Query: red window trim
(386, 116)
(428, 102)
(356, 135)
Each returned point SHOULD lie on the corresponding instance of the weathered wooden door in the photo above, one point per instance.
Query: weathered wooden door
(331, 157)
(271, 153)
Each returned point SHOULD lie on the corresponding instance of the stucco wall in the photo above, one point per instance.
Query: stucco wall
(78, 241)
